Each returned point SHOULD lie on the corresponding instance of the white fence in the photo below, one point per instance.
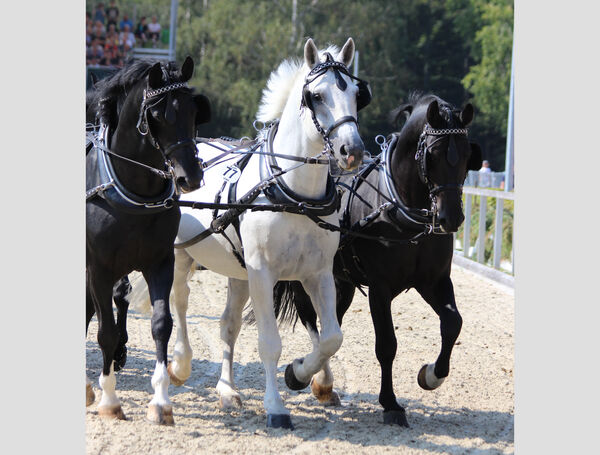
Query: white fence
(473, 256)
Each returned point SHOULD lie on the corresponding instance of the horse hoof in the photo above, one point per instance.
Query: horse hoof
(230, 402)
(395, 417)
(291, 381)
(174, 379)
(111, 412)
(90, 396)
(325, 394)
(120, 359)
(280, 421)
(427, 380)
(161, 415)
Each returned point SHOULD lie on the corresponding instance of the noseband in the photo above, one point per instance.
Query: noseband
(363, 97)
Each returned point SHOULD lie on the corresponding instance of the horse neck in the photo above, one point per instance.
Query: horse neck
(129, 143)
(308, 180)
(412, 190)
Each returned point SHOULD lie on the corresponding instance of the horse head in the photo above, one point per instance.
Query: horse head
(172, 113)
(332, 100)
(444, 155)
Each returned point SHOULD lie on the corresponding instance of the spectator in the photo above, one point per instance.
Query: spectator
(88, 19)
(94, 53)
(98, 33)
(112, 14)
(88, 36)
(99, 14)
(126, 40)
(112, 57)
(141, 31)
(125, 22)
(112, 37)
(154, 31)
(485, 175)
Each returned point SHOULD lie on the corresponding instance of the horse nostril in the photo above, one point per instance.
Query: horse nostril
(343, 150)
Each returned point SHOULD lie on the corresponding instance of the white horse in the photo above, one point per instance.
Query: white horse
(314, 112)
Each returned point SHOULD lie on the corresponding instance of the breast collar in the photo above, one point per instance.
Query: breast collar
(116, 194)
(281, 193)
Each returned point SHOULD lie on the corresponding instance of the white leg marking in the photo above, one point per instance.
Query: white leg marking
(108, 385)
(431, 379)
(160, 383)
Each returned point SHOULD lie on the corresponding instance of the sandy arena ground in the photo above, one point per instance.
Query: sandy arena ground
(472, 412)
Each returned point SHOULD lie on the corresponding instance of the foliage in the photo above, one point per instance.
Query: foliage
(458, 49)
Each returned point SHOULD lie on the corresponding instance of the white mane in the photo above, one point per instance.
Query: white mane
(279, 86)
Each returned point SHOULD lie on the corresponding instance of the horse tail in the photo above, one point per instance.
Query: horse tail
(285, 301)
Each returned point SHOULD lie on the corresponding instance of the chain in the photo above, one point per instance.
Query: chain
(160, 91)
(444, 132)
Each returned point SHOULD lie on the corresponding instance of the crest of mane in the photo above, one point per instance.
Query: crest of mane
(417, 100)
(280, 84)
(114, 89)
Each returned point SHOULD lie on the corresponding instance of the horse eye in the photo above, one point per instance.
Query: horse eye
(317, 97)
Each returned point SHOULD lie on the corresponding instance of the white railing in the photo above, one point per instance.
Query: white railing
(474, 256)
(152, 53)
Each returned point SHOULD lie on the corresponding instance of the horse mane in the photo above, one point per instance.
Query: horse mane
(416, 100)
(280, 84)
(114, 89)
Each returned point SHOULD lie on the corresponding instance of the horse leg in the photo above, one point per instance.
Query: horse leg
(321, 291)
(160, 280)
(231, 321)
(322, 383)
(120, 291)
(90, 396)
(181, 366)
(100, 290)
(441, 299)
(380, 301)
(261, 285)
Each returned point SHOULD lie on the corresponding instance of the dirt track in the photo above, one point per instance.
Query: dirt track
(472, 412)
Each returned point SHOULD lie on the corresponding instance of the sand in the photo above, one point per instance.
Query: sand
(472, 412)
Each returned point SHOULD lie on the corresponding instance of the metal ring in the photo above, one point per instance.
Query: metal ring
(380, 139)
(256, 123)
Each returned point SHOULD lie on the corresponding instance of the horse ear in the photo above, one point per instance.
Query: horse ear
(187, 69)
(475, 160)
(466, 116)
(203, 109)
(346, 55)
(433, 115)
(311, 53)
(155, 76)
(403, 109)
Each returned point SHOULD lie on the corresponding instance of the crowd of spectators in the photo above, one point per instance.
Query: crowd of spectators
(110, 36)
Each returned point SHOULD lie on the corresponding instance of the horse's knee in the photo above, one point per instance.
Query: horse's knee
(330, 344)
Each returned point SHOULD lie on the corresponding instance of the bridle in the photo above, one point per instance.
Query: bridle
(363, 96)
(149, 100)
(423, 147)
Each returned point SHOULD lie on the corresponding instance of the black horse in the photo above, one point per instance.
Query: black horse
(140, 157)
(401, 212)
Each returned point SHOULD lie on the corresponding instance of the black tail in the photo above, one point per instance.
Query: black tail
(290, 302)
